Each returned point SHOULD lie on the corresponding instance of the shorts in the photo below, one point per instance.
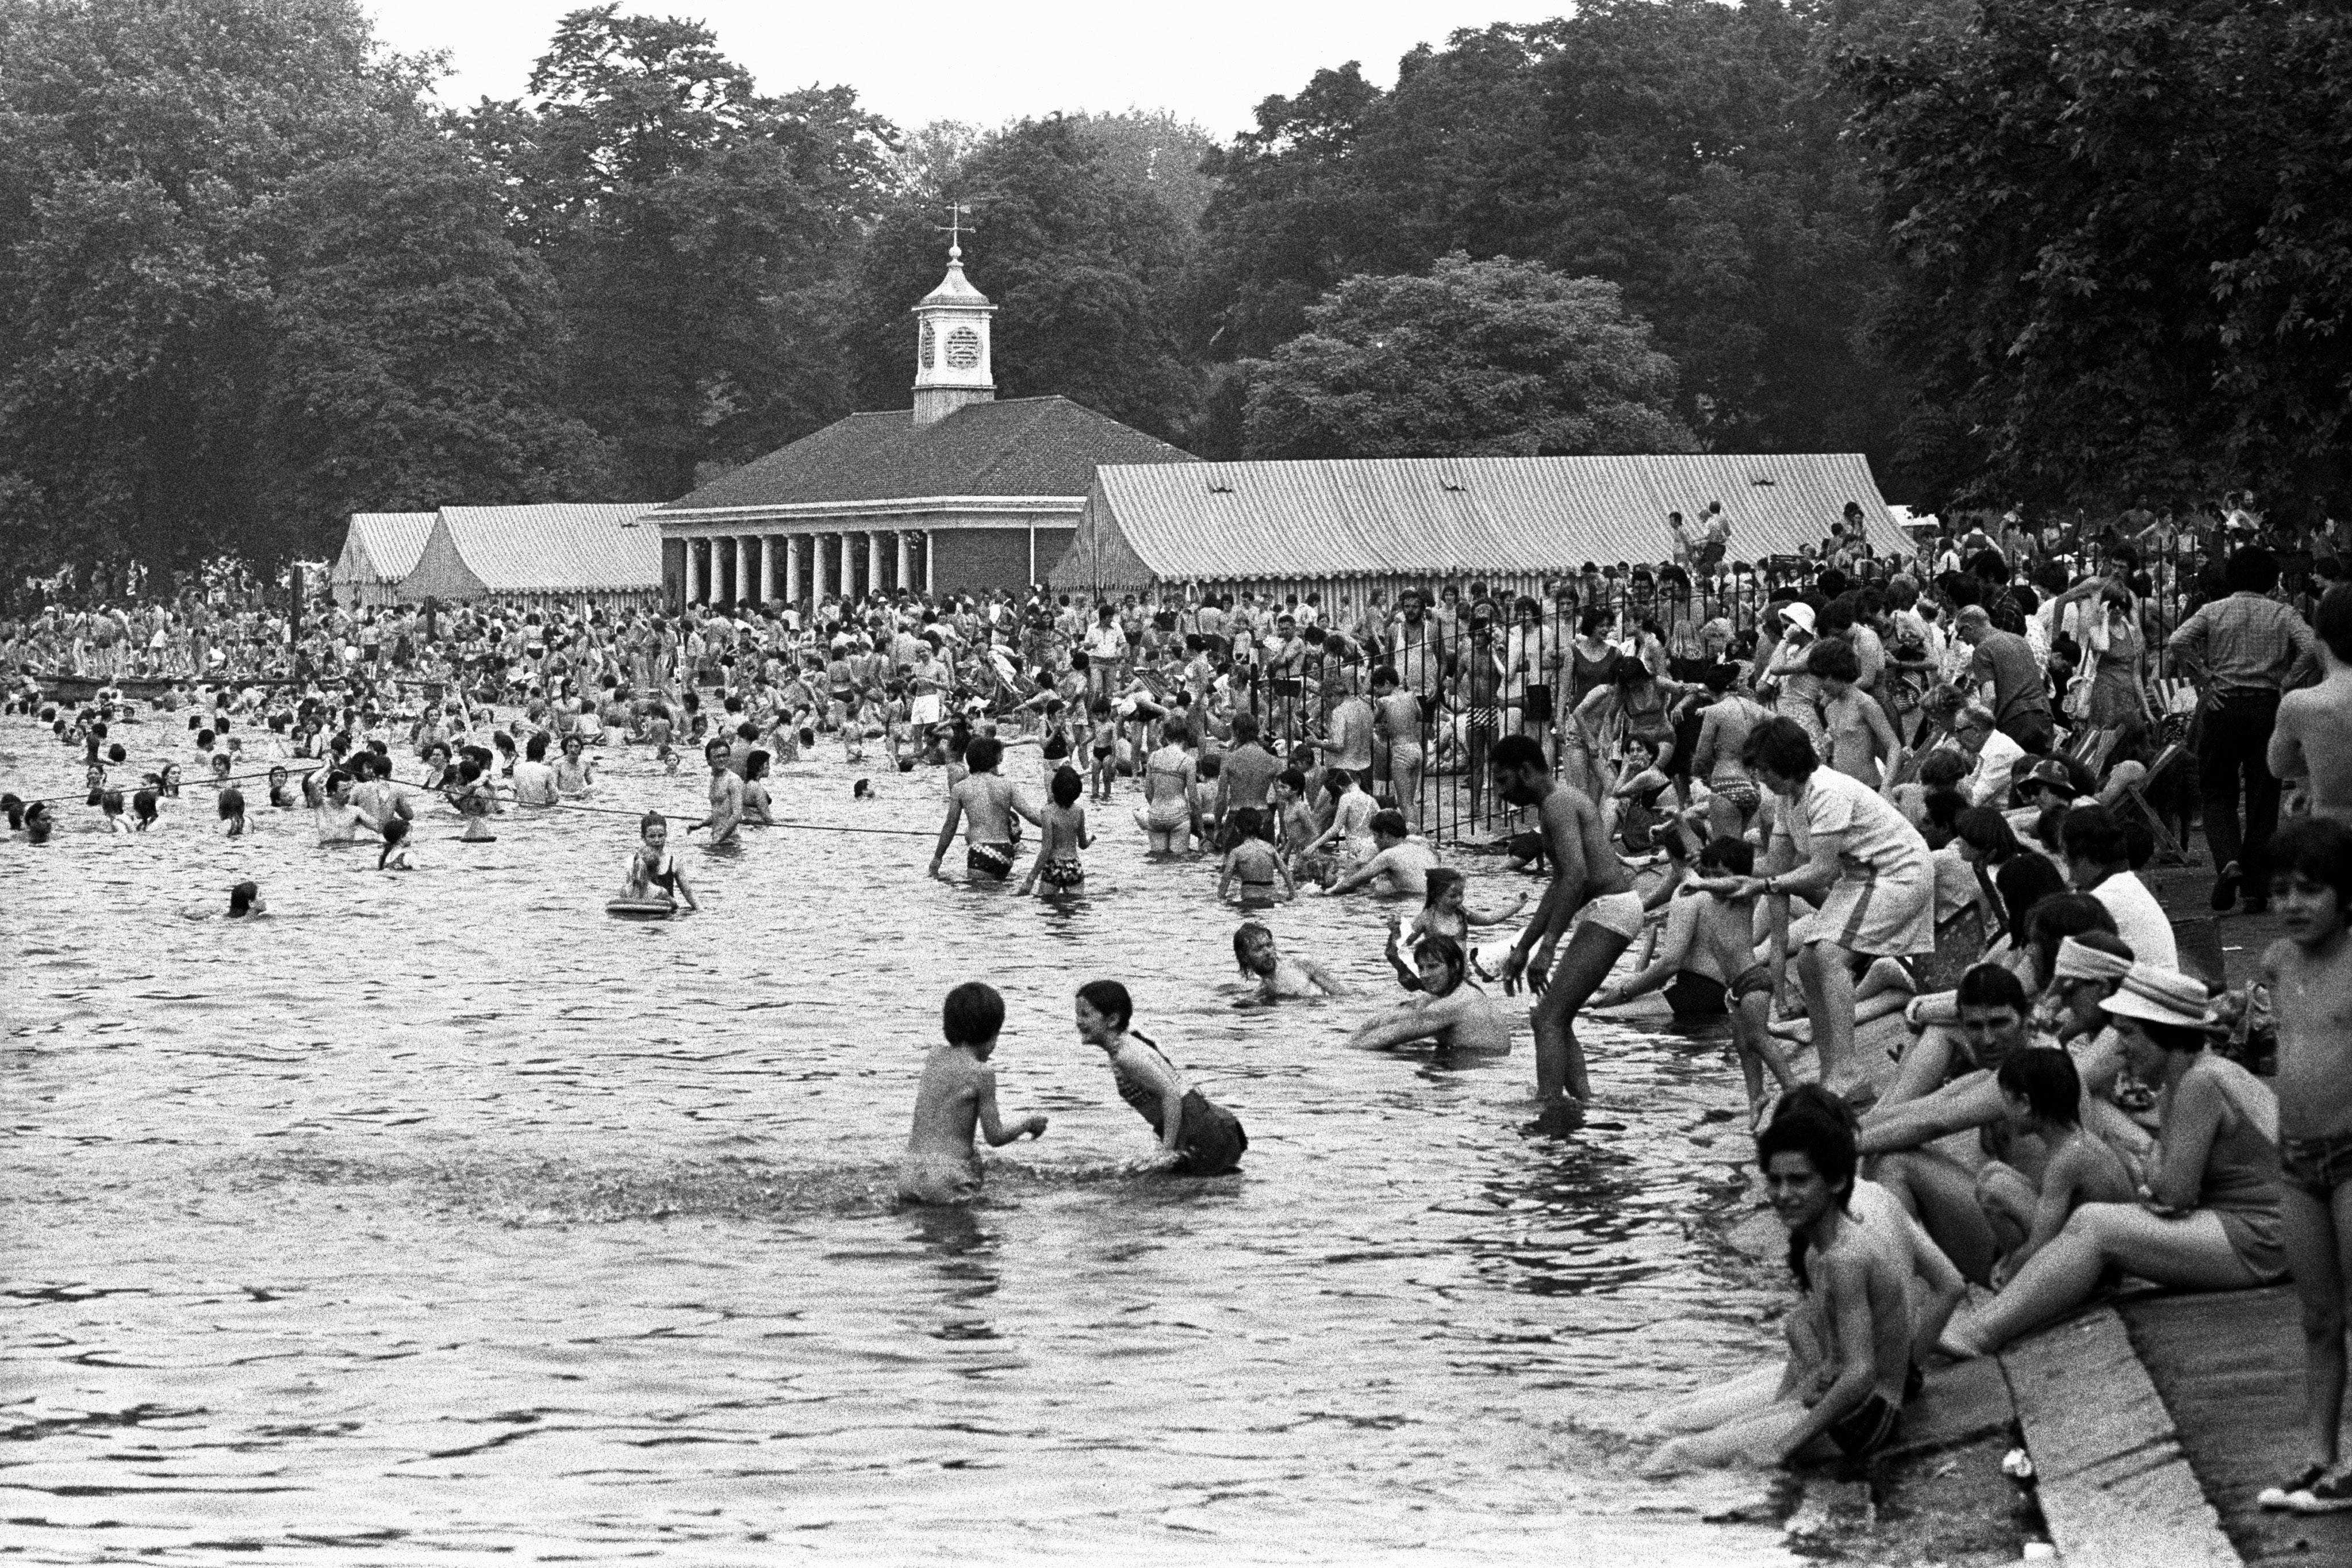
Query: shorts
(1101, 752)
(1062, 870)
(2255, 1236)
(1481, 721)
(2316, 1166)
(1618, 913)
(1695, 995)
(1258, 896)
(1753, 981)
(1869, 1428)
(1742, 793)
(994, 862)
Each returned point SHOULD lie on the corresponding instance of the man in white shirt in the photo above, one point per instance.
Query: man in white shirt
(2098, 863)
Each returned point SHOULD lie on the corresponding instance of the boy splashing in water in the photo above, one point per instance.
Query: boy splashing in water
(957, 1095)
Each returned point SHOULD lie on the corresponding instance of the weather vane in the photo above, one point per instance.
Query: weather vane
(959, 220)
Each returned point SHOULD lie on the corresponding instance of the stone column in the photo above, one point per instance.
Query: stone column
(874, 558)
(767, 568)
(742, 549)
(930, 560)
(700, 559)
(901, 584)
(792, 543)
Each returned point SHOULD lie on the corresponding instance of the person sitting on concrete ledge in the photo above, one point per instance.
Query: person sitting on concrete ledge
(2208, 1218)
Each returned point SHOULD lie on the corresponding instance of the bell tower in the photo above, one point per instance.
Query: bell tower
(952, 359)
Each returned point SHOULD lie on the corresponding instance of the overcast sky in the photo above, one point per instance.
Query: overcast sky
(920, 60)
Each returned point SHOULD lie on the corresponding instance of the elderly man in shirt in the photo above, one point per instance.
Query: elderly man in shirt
(2020, 689)
(2243, 652)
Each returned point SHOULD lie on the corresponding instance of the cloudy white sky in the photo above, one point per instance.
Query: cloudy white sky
(919, 60)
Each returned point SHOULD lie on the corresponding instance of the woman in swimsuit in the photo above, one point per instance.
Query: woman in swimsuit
(1169, 774)
(757, 807)
(1197, 1136)
(652, 872)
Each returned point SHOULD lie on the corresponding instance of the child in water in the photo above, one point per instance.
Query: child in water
(232, 813)
(652, 872)
(1278, 976)
(1062, 829)
(281, 794)
(1104, 738)
(1197, 1136)
(958, 1095)
(142, 808)
(474, 802)
(393, 856)
(1254, 863)
(245, 900)
(109, 802)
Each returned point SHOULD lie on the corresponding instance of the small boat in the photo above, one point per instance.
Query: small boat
(626, 908)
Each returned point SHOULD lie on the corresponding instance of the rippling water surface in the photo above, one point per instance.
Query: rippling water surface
(439, 1216)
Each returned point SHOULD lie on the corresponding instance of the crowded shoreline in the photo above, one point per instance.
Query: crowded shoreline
(1896, 820)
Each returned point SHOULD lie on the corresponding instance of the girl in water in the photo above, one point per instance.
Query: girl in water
(1062, 834)
(232, 813)
(476, 800)
(393, 856)
(652, 874)
(282, 796)
(1277, 975)
(757, 807)
(1197, 1136)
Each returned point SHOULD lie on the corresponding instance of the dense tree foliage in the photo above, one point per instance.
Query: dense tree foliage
(1479, 359)
(1080, 262)
(2128, 232)
(698, 229)
(193, 196)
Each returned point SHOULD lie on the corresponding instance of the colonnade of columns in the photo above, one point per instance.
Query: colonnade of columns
(749, 568)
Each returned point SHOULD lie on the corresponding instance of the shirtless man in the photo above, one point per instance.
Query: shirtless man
(1450, 1012)
(1400, 864)
(1722, 733)
(339, 821)
(2311, 740)
(1590, 887)
(985, 802)
(726, 794)
(1396, 724)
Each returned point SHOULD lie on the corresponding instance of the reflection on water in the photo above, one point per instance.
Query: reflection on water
(437, 1215)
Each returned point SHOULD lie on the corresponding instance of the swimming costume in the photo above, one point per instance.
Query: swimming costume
(994, 862)
(1481, 721)
(1257, 895)
(2316, 1166)
(1210, 1139)
(1868, 1429)
(1693, 995)
(1062, 870)
(1742, 793)
(1101, 752)
(1754, 980)
(1619, 912)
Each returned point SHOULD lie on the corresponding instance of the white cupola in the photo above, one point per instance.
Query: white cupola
(952, 361)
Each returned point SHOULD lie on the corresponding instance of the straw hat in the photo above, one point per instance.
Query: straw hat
(2162, 995)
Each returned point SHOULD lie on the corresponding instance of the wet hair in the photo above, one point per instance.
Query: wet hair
(755, 765)
(1812, 1100)
(1249, 821)
(1448, 952)
(2319, 848)
(1440, 878)
(1388, 823)
(1295, 780)
(1067, 785)
(2052, 920)
(1515, 752)
(1780, 744)
(983, 753)
(1386, 674)
(203, 736)
(116, 754)
(110, 802)
(232, 804)
(14, 809)
(37, 822)
(1991, 986)
(1242, 934)
(1628, 671)
(2046, 1079)
(241, 898)
(535, 748)
(1110, 999)
(142, 805)
(2333, 620)
(651, 819)
(1833, 659)
(973, 1014)
(1828, 1143)
(220, 761)
(1737, 856)
(469, 771)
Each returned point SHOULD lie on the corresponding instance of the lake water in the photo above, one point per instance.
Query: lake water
(439, 1218)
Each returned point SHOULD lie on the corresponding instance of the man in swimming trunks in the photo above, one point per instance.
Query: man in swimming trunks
(1590, 888)
(726, 794)
(987, 804)
(1450, 1012)
(1397, 724)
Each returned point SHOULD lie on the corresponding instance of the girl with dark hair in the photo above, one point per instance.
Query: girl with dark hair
(1197, 1136)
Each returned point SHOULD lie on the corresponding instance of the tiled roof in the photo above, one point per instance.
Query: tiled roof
(1502, 516)
(564, 548)
(382, 546)
(1021, 447)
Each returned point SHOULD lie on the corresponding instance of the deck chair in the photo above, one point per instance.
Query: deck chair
(2089, 748)
(2167, 848)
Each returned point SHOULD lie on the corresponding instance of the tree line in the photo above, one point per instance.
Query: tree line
(253, 279)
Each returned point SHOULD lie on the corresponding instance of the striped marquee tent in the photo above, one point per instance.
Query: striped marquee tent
(380, 549)
(563, 553)
(1387, 522)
